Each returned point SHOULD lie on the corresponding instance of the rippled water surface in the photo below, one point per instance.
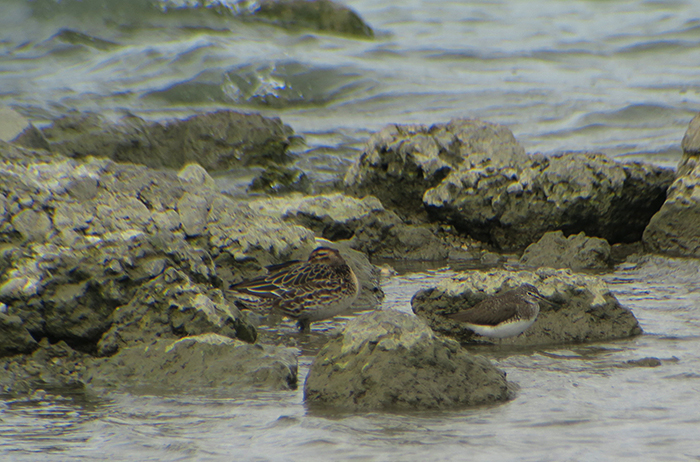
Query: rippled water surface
(619, 77)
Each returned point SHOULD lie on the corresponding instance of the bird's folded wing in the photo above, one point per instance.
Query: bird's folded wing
(485, 313)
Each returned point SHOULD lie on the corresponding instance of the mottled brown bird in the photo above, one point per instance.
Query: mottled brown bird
(503, 315)
(319, 288)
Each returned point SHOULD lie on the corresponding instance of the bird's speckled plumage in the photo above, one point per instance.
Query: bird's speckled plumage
(317, 289)
(504, 315)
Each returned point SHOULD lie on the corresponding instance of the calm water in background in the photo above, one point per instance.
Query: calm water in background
(619, 77)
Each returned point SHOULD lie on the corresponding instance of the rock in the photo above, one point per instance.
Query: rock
(121, 262)
(14, 337)
(691, 148)
(582, 307)
(193, 363)
(12, 124)
(281, 180)
(371, 229)
(320, 15)
(577, 251)
(391, 360)
(573, 192)
(172, 306)
(401, 162)
(674, 229)
(217, 141)
(51, 367)
(331, 216)
(34, 225)
(474, 176)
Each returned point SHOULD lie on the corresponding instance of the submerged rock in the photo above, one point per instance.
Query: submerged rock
(582, 308)
(474, 176)
(391, 360)
(321, 15)
(576, 251)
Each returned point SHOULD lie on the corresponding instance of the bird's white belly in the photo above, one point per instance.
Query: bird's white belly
(503, 330)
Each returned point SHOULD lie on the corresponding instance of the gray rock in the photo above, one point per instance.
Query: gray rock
(51, 367)
(217, 141)
(577, 251)
(105, 256)
(691, 148)
(372, 229)
(33, 225)
(172, 306)
(12, 124)
(582, 310)
(674, 229)
(195, 363)
(14, 337)
(391, 360)
(193, 210)
(474, 176)
(331, 216)
(573, 192)
(401, 162)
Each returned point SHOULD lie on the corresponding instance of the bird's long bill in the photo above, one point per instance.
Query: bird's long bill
(542, 299)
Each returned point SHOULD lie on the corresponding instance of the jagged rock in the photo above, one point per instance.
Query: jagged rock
(196, 362)
(577, 251)
(674, 229)
(392, 360)
(218, 141)
(474, 176)
(51, 367)
(511, 207)
(124, 255)
(582, 308)
(14, 337)
(401, 162)
(691, 148)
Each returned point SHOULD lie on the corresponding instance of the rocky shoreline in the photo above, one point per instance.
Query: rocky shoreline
(117, 247)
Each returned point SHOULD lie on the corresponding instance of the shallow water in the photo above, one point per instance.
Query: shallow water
(617, 76)
(577, 402)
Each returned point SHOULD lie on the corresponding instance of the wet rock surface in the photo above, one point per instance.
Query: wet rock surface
(576, 251)
(582, 308)
(217, 141)
(193, 363)
(391, 360)
(474, 176)
(675, 228)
